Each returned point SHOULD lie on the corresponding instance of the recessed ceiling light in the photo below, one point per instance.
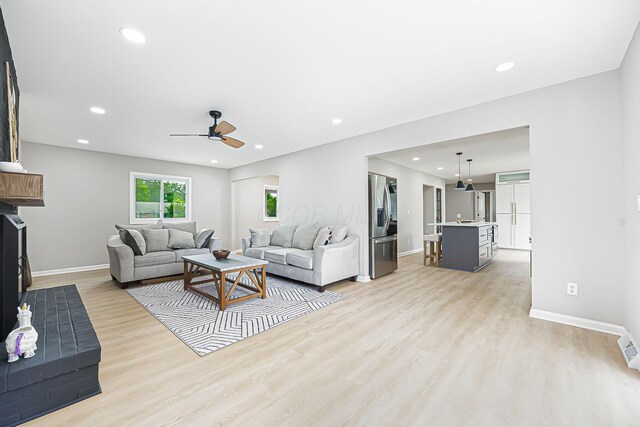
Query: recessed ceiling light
(336, 121)
(214, 161)
(259, 147)
(83, 141)
(457, 174)
(505, 66)
(415, 159)
(440, 168)
(132, 35)
(97, 110)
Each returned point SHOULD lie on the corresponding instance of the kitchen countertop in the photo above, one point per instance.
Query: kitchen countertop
(464, 224)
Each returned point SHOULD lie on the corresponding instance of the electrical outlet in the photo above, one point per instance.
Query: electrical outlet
(572, 289)
(409, 240)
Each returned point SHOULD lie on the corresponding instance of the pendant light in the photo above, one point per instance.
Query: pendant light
(460, 184)
(469, 180)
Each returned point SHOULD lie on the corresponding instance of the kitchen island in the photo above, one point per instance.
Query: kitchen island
(468, 246)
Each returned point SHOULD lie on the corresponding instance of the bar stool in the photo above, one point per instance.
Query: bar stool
(435, 248)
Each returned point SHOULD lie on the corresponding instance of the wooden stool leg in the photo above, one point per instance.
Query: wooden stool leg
(431, 252)
(424, 252)
(439, 254)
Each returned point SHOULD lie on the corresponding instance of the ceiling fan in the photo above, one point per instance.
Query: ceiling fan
(217, 131)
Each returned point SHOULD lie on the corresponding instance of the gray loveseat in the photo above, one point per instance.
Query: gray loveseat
(126, 267)
(321, 265)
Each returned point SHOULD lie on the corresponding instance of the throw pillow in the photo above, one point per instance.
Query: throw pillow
(189, 226)
(283, 235)
(339, 232)
(260, 238)
(134, 240)
(325, 236)
(204, 238)
(180, 239)
(156, 240)
(305, 236)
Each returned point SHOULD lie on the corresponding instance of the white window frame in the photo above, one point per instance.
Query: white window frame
(264, 203)
(132, 197)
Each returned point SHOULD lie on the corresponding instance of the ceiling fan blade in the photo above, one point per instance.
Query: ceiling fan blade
(187, 134)
(231, 142)
(224, 128)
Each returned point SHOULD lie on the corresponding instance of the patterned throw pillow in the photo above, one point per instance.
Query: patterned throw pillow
(324, 237)
(204, 238)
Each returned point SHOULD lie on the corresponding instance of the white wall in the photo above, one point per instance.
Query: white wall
(574, 128)
(410, 203)
(630, 77)
(87, 192)
(248, 199)
(463, 202)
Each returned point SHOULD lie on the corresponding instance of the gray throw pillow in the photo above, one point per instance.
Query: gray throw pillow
(204, 238)
(134, 240)
(156, 240)
(305, 235)
(259, 237)
(189, 226)
(138, 227)
(339, 232)
(324, 237)
(180, 239)
(283, 235)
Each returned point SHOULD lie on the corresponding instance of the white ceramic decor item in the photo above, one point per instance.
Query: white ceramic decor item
(11, 167)
(22, 341)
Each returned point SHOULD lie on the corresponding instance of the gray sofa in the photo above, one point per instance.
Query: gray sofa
(320, 266)
(126, 267)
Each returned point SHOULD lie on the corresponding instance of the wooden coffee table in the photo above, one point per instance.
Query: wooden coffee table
(254, 269)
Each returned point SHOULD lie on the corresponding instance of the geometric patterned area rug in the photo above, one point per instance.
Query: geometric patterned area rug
(200, 324)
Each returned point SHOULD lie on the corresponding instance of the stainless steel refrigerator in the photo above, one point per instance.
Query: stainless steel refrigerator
(383, 225)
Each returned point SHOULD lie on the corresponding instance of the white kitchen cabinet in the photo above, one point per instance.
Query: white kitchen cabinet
(504, 230)
(521, 231)
(513, 207)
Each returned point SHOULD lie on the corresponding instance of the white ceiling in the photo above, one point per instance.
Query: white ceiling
(282, 70)
(501, 151)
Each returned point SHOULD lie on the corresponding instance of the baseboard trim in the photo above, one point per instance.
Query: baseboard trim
(363, 279)
(411, 252)
(69, 270)
(580, 322)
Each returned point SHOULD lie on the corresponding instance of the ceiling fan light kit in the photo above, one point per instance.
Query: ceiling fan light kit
(218, 131)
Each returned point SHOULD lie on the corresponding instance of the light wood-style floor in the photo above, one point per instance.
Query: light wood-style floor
(421, 347)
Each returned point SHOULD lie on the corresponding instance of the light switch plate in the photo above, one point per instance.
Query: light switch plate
(638, 200)
(572, 289)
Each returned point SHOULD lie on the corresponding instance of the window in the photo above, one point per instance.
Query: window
(270, 201)
(156, 197)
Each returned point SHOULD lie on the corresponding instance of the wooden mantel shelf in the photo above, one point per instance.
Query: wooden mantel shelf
(22, 189)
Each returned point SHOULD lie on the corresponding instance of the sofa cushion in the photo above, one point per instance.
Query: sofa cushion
(154, 258)
(134, 240)
(338, 232)
(260, 238)
(157, 240)
(138, 227)
(203, 238)
(324, 237)
(277, 255)
(180, 239)
(283, 235)
(189, 226)
(305, 235)
(300, 258)
(188, 252)
(259, 252)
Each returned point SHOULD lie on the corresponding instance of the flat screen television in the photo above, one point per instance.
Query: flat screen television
(13, 270)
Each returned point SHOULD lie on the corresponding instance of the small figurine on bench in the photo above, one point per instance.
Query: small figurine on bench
(22, 341)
